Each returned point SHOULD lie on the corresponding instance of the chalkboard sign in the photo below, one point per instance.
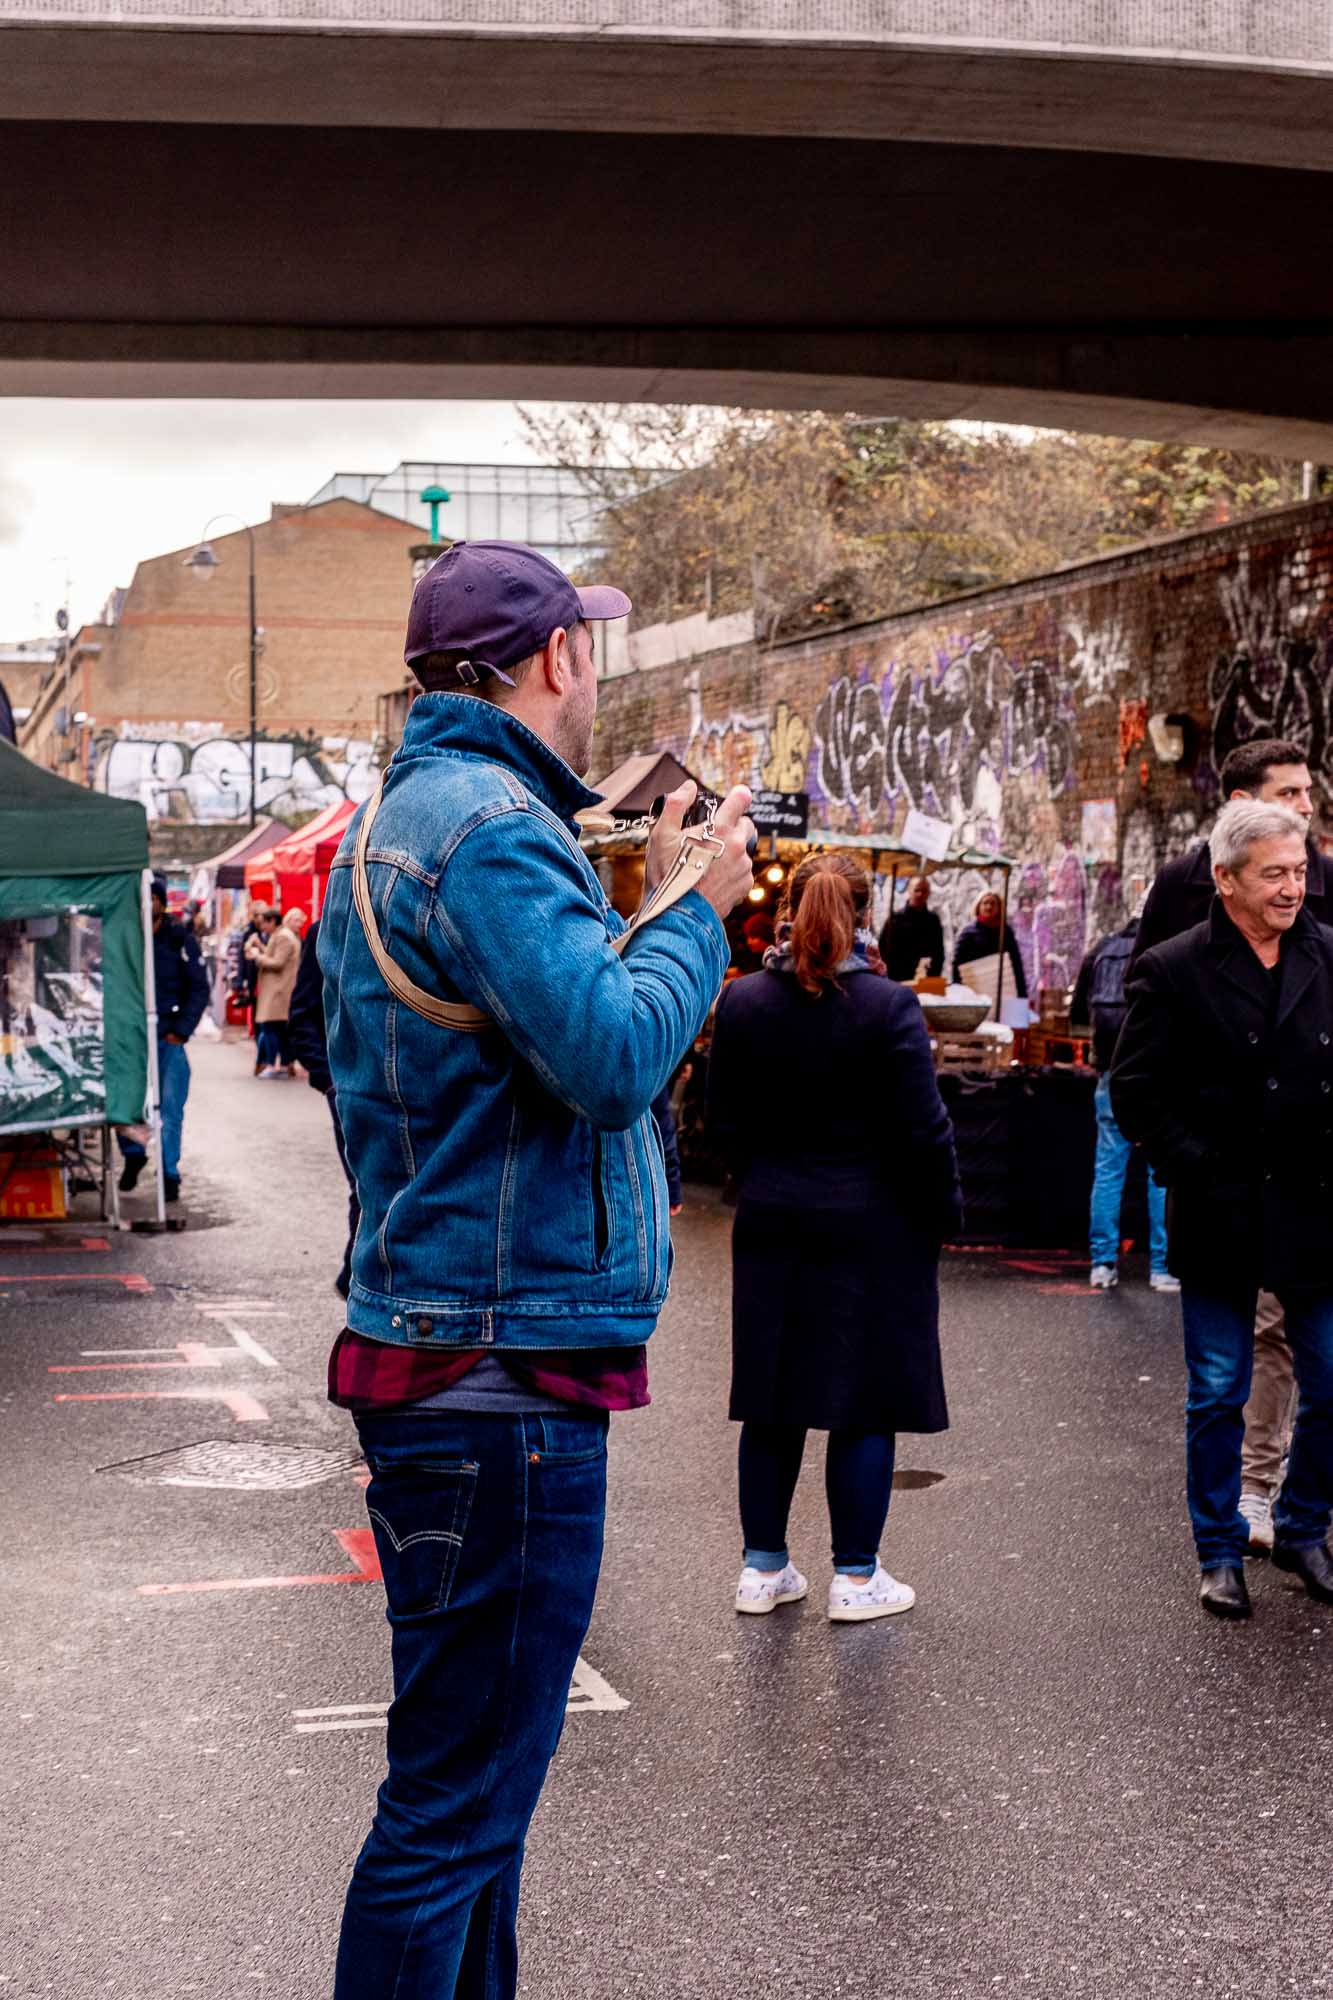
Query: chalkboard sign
(785, 813)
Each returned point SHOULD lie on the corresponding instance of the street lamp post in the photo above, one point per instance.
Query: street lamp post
(202, 563)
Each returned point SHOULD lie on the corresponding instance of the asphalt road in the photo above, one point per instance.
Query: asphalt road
(1054, 1777)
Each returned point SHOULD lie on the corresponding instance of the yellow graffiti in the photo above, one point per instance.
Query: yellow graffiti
(788, 751)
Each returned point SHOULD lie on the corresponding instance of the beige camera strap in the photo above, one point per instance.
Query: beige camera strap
(455, 1014)
(694, 857)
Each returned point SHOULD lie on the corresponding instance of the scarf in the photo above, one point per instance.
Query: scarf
(863, 956)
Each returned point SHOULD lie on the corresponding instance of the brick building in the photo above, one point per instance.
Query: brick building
(1024, 716)
(153, 703)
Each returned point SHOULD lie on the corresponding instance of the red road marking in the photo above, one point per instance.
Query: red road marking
(133, 1281)
(246, 1409)
(100, 1367)
(52, 1249)
(358, 1542)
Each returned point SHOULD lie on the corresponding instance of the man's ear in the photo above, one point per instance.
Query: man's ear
(555, 660)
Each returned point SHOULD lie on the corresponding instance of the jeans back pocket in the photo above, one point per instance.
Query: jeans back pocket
(419, 1514)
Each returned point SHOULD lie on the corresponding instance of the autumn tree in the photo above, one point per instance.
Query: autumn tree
(821, 520)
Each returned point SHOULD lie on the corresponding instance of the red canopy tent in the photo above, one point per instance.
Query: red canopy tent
(294, 864)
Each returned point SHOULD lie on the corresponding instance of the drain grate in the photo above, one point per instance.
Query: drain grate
(238, 1464)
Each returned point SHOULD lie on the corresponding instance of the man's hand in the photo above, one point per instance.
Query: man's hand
(731, 876)
(664, 839)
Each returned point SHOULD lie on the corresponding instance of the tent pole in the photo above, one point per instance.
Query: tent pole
(153, 1106)
(1004, 934)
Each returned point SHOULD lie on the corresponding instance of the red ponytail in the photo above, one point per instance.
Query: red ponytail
(827, 896)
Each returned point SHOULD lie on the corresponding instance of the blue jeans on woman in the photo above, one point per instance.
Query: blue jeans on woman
(1219, 1355)
(858, 1481)
(489, 1532)
(271, 1049)
(1108, 1190)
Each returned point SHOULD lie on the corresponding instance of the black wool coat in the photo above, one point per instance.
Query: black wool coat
(827, 1110)
(1224, 1075)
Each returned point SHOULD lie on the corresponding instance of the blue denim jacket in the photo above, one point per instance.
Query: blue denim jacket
(511, 1182)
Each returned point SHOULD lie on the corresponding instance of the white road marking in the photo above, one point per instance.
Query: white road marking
(249, 1345)
(588, 1692)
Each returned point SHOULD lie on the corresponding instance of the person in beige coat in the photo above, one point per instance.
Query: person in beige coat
(276, 950)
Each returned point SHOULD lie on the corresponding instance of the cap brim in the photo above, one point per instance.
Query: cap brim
(601, 600)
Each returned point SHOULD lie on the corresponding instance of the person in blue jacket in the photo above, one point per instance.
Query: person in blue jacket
(182, 995)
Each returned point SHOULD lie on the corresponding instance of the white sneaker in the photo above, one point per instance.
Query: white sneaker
(881, 1597)
(269, 1071)
(1103, 1276)
(1162, 1281)
(1257, 1514)
(765, 1589)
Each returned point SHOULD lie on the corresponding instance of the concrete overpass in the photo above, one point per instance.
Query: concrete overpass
(1115, 218)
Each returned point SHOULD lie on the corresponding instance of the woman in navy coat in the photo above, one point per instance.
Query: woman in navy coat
(822, 1098)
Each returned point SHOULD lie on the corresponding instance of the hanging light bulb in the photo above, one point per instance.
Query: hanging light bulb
(757, 894)
(774, 874)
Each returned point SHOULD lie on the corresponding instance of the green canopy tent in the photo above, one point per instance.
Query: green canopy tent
(74, 1001)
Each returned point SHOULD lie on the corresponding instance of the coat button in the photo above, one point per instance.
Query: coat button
(1272, 1083)
(396, 1320)
(425, 1326)
(1252, 1038)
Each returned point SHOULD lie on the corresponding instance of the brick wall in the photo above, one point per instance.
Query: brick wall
(166, 691)
(1020, 715)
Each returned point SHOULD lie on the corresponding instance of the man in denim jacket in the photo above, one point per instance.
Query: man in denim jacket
(513, 1251)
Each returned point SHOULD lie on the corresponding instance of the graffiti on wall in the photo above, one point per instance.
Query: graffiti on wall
(194, 773)
(771, 750)
(944, 740)
(1269, 681)
(1099, 657)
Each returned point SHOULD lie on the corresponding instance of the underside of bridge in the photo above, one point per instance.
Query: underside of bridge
(1141, 249)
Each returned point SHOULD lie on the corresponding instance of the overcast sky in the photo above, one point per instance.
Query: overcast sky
(90, 488)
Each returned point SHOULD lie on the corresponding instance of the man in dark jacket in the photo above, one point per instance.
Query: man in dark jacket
(309, 1043)
(1224, 1075)
(912, 934)
(1274, 771)
(1099, 1001)
(182, 995)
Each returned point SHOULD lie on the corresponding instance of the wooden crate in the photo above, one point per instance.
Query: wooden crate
(974, 1052)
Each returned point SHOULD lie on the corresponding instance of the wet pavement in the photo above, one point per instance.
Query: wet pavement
(1053, 1777)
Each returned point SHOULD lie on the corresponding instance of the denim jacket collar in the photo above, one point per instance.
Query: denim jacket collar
(462, 726)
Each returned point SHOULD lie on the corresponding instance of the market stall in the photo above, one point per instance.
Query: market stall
(77, 1041)
(295, 860)
(218, 885)
(1024, 1128)
(287, 873)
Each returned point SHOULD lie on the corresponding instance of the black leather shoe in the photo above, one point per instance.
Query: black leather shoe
(1313, 1566)
(130, 1172)
(1223, 1593)
(171, 1188)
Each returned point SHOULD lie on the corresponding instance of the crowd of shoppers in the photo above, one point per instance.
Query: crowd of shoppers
(496, 1046)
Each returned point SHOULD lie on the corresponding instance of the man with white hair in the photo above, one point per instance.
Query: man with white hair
(1224, 1075)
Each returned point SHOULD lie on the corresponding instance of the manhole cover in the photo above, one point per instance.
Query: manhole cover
(907, 1480)
(239, 1464)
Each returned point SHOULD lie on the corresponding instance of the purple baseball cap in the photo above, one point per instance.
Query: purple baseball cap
(498, 602)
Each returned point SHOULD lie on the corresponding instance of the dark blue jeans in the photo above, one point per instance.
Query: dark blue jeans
(858, 1482)
(271, 1047)
(1219, 1354)
(489, 1530)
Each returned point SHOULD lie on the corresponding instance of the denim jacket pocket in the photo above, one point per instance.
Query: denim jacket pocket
(419, 1514)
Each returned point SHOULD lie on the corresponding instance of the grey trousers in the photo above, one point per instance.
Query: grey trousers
(1271, 1410)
